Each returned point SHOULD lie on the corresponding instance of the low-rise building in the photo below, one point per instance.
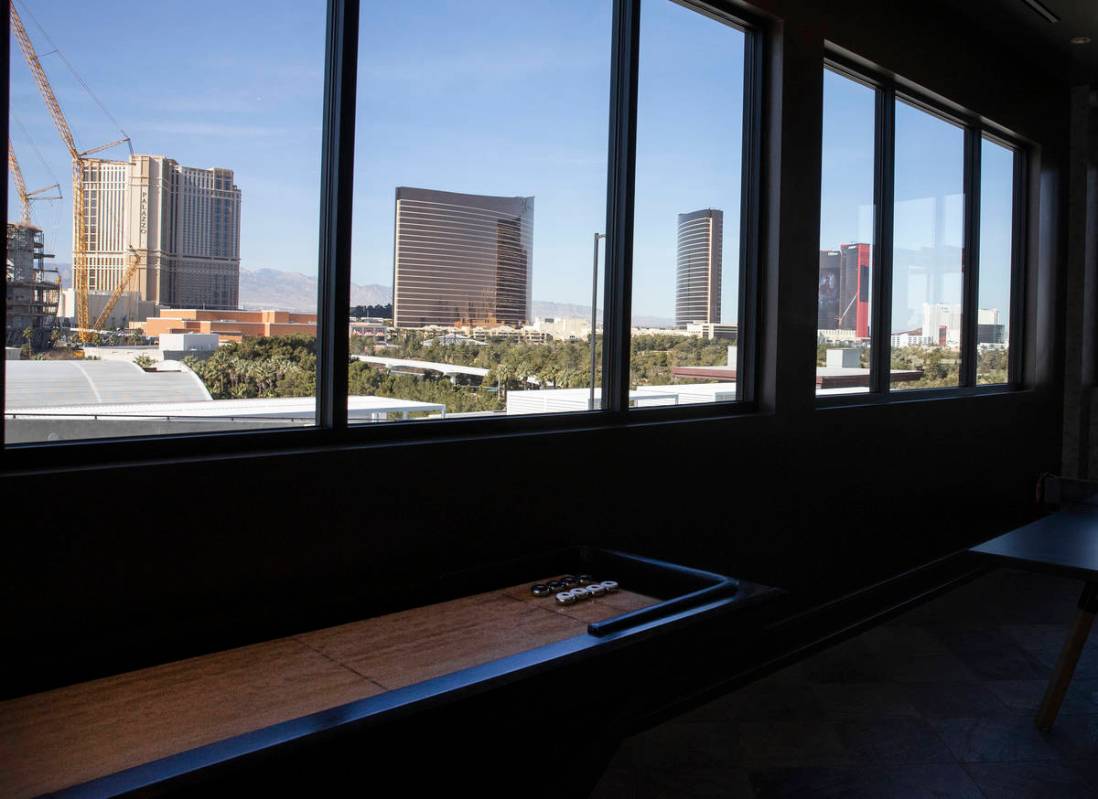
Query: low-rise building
(713, 331)
(230, 325)
(839, 336)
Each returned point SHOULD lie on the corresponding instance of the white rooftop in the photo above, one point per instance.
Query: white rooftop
(46, 384)
(289, 408)
(687, 393)
(409, 363)
(553, 400)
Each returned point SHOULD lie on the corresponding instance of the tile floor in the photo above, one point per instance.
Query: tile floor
(939, 702)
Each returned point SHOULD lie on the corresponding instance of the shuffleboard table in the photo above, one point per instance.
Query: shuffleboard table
(184, 727)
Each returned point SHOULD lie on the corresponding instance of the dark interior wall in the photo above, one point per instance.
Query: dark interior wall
(124, 564)
(1080, 454)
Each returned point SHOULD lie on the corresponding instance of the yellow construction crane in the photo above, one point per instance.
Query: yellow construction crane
(80, 238)
(26, 197)
(116, 293)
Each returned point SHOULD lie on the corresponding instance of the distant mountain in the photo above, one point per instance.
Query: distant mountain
(293, 291)
(272, 288)
(561, 310)
(564, 310)
(653, 321)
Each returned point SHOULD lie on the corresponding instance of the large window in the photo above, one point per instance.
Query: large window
(171, 287)
(480, 206)
(919, 244)
(998, 165)
(686, 241)
(505, 211)
(927, 244)
(844, 299)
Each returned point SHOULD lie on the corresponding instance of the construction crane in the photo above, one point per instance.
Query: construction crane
(116, 293)
(80, 275)
(26, 197)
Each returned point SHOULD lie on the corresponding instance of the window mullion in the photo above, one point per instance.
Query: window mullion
(884, 201)
(747, 339)
(337, 171)
(1016, 342)
(621, 180)
(970, 257)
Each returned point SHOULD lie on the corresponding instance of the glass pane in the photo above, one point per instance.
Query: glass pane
(996, 249)
(470, 116)
(846, 237)
(928, 237)
(687, 212)
(187, 294)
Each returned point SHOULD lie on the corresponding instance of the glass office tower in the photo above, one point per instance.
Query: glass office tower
(698, 279)
(461, 259)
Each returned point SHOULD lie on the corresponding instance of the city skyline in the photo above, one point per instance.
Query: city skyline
(257, 109)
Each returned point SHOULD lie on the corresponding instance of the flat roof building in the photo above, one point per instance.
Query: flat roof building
(461, 259)
(230, 325)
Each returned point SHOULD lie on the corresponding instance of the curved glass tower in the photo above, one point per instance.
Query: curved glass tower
(698, 283)
(461, 259)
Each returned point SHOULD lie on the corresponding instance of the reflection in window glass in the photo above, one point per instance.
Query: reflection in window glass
(846, 237)
(480, 197)
(687, 209)
(182, 297)
(996, 249)
(928, 232)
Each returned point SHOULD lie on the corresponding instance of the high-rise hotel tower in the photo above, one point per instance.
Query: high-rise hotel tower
(181, 223)
(698, 282)
(461, 259)
(845, 289)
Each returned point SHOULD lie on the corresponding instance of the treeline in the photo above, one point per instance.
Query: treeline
(941, 367)
(286, 367)
(275, 366)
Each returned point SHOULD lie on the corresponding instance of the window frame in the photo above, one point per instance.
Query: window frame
(331, 428)
(748, 340)
(890, 89)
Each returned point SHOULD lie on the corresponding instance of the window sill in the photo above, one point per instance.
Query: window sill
(908, 396)
(96, 453)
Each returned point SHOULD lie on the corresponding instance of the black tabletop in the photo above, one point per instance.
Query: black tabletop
(1063, 543)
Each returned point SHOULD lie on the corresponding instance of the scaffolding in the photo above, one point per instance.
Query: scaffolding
(33, 288)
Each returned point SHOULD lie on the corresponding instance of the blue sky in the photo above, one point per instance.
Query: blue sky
(460, 95)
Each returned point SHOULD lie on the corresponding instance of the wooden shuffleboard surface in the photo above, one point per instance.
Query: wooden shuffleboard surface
(59, 738)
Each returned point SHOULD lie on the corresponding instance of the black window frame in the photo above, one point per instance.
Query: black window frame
(890, 89)
(748, 340)
(331, 429)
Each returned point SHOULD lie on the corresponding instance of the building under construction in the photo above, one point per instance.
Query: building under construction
(32, 288)
(147, 229)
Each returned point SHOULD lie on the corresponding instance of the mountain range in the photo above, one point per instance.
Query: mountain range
(293, 291)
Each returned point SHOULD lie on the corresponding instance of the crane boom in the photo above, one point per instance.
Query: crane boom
(80, 275)
(116, 293)
(25, 196)
(20, 186)
(43, 82)
(79, 222)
